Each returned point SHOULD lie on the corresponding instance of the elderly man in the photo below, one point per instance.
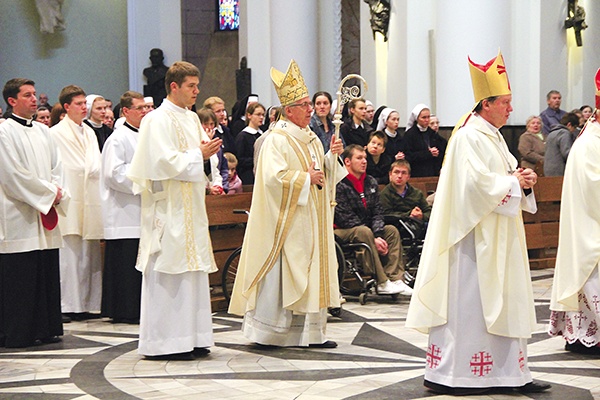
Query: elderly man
(287, 276)
(473, 291)
(31, 189)
(553, 114)
(81, 258)
(175, 254)
(121, 282)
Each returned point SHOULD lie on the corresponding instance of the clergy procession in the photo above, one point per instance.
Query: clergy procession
(103, 221)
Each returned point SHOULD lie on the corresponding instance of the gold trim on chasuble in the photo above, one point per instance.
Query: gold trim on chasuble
(289, 201)
(187, 191)
(301, 150)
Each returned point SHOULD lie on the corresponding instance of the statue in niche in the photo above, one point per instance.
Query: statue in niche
(380, 16)
(243, 79)
(155, 76)
(576, 20)
(51, 17)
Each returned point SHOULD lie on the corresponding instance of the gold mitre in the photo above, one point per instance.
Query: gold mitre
(290, 87)
(490, 79)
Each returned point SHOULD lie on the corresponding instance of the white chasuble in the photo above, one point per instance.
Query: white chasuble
(290, 227)
(575, 301)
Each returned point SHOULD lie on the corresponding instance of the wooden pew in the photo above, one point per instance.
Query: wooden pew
(541, 229)
(226, 233)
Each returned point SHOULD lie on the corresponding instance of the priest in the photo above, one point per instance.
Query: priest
(287, 276)
(473, 291)
(32, 195)
(81, 257)
(121, 281)
(576, 287)
(175, 254)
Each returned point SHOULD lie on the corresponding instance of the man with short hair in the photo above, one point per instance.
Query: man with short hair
(80, 259)
(553, 114)
(359, 218)
(121, 282)
(31, 190)
(558, 144)
(287, 275)
(473, 291)
(402, 200)
(217, 105)
(175, 254)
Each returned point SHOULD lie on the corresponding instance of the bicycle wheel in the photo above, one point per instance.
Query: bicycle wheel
(229, 272)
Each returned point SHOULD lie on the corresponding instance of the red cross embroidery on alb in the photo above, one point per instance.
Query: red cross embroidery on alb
(433, 357)
(505, 199)
(521, 360)
(481, 363)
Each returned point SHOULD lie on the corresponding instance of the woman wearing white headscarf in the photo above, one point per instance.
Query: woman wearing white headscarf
(425, 148)
(388, 122)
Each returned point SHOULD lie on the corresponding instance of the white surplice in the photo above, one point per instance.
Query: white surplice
(175, 254)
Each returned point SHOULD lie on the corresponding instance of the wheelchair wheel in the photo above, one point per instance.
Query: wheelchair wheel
(362, 299)
(229, 273)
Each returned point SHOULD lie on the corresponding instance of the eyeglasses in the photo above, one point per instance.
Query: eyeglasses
(306, 104)
(139, 108)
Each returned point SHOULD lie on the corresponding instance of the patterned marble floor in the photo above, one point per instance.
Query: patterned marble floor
(377, 358)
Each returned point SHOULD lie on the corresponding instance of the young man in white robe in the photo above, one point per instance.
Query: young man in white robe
(473, 291)
(121, 209)
(576, 287)
(31, 192)
(287, 275)
(82, 229)
(175, 254)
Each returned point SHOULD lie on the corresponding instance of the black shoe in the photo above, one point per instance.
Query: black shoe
(580, 348)
(329, 344)
(66, 319)
(454, 391)
(130, 321)
(200, 352)
(188, 356)
(51, 339)
(534, 387)
(266, 346)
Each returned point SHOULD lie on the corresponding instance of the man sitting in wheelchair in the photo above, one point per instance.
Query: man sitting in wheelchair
(359, 218)
(402, 201)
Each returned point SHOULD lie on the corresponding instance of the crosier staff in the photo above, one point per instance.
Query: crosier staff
(344, 95)
(594, 116)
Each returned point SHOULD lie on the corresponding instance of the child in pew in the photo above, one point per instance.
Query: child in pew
(235, 183)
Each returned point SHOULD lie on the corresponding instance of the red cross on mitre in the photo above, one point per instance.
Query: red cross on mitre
(433, 356)
(481, 363)
(502, 70)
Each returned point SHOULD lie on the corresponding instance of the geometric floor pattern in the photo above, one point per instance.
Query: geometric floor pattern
(376, 358)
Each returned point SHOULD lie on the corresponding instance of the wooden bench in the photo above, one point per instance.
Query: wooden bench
(226, 233)
(541, 229)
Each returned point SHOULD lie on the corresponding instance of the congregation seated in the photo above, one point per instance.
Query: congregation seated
(378, 162)
(355, 130)
(424, 147)
(402, 201)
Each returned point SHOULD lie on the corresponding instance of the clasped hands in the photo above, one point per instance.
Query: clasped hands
(527, 178)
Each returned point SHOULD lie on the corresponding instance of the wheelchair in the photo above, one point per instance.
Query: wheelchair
(412, 232)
